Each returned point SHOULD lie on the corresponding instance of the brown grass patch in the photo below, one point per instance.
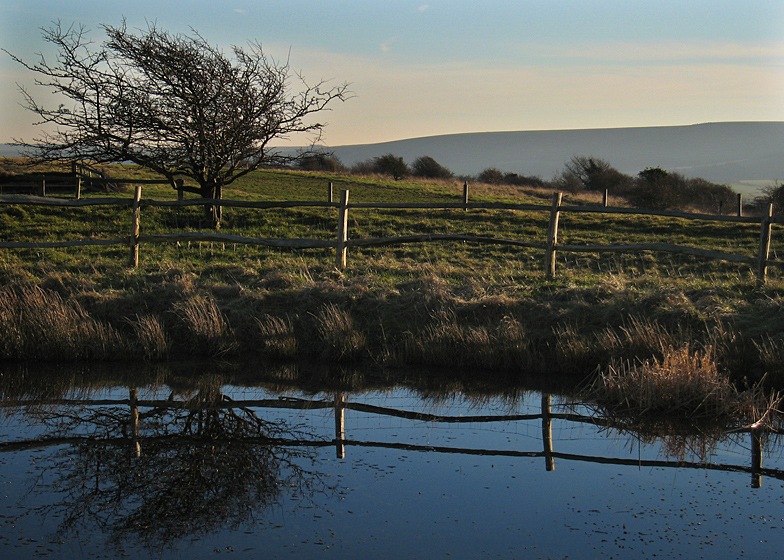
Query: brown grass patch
(207, 332)
(278, 339)
(685, 382)
(341, 340)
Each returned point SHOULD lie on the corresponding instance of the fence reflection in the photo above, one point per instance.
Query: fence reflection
(339, 404)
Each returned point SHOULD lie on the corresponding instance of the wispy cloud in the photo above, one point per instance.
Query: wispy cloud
(423, 8)
(386, 46)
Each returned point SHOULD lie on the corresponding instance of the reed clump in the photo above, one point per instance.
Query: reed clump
(341, 340)
(206, 332)
(685, 382)
(151, 340)
(38, 324)
(277, 337)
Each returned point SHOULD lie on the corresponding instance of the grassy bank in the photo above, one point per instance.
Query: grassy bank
(485, 309)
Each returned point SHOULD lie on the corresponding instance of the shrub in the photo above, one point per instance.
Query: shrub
(491, 176)
(595, 175)
(320, 162)
(427, 167)
(390, 164)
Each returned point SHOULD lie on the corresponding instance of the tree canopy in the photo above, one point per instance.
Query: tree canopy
(172, 103)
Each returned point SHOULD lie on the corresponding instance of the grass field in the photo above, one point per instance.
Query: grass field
(488, 309)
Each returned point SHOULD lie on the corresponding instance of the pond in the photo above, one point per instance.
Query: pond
(148, 471)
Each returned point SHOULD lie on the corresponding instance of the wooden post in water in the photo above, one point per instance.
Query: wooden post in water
(465, 195)
(340, 427)
(78, 188)
(547, 432)
(605, 198)
(764, 248)
(552, 235)
(43, 187)
(740, 205)
(329, 192)
(341, 259)
(135, 216)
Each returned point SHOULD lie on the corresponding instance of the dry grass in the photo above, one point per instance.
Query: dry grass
(152, 342)
(278, 338)
(206, 331)
(36, 324)
(341, 341)
(686, 382)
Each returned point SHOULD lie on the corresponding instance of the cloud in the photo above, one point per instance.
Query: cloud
(423, 8)
(386, 46)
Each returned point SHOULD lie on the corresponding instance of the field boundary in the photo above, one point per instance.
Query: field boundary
(342, 242)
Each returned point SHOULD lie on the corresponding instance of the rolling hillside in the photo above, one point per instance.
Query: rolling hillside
(745, 155)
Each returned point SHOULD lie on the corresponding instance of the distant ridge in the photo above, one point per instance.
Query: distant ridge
(746, 155)
(733, 153)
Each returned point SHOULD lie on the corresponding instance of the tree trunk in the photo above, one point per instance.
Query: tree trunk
(213, 212)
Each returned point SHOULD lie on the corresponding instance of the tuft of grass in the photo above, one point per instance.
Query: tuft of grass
(36, 324)
(341, 341)
(771, 354)
(278, 339)
(207, 332)
(686, 382)
(152, 343)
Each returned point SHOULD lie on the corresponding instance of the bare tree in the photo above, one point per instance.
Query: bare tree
(594, 174)
(171, 103)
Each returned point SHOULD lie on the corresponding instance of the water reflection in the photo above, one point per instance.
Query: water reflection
(160, 471)
(152, 464)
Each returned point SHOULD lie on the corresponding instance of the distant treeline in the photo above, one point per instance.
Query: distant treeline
(652, 188)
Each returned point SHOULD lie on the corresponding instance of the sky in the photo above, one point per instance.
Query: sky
(429, 67)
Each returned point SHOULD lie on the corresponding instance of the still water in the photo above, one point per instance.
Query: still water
(250, 472)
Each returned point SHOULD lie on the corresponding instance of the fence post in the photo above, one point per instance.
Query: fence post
(342, 231)
(764, 248)
(329, 193)
(465, 195)
(43, 187)
(178, 183)
(78, 188)
(552, 235)
(740, 205)
(135, 215)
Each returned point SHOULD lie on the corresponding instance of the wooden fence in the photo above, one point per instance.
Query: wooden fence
(342, 242)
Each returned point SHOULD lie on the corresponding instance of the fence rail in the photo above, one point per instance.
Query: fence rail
(342, 242)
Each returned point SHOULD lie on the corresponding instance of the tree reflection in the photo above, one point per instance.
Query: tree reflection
(188, 467)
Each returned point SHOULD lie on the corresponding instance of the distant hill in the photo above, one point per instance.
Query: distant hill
(7, 150)
(742, 154)
(746, 155)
